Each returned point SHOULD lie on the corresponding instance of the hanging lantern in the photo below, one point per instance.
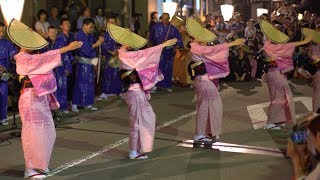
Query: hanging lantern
(170, 8)
(227, 11)
(11, 9)
(261, 11)
(300, 16)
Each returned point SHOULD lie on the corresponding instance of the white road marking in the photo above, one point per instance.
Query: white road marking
(237, 148)
(259, 117)
(110, 147)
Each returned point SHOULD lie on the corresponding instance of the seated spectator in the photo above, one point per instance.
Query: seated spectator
(306, 163)
(232, 35)
(250, 31)
(42, 25)
(242, 69)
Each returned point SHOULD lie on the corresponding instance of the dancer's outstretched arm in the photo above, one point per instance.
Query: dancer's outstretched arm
(72, 46)
(305, 41)
(169, 42)
(237, 42)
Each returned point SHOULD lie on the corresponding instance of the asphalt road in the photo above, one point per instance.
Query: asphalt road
(93, 145)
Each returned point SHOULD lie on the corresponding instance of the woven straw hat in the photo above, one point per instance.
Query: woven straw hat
(272, 33)
(25, 37)
(316, 35)
(245, 48)
(125, 36)
(176, 21)
(198, 31)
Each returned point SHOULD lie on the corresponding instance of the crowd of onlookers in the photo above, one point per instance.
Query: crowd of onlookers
(246, 61)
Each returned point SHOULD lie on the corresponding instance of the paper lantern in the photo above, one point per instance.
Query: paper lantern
(11, 9)
(227, 11)
(261, 11)
(170, 8)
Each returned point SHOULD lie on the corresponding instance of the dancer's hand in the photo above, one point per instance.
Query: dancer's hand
(236, 42)
(75, 45)
(169, 42)
(239, 41)
(72, 46)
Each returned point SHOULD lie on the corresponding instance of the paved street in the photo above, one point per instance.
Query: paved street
(93, 145)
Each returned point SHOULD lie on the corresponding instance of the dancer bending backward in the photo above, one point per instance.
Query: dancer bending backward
(139, 73)
(279, 61)
(37, 98)
(208, 63)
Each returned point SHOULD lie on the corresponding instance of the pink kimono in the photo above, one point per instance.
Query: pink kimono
(316, 80)
(209, 105)
(38, 131)
(281, 109)
(141, 115)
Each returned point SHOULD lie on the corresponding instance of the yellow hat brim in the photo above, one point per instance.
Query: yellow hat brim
(307, 32)
(25, 37)
(272, 33)
(176, 21)
(196, 30)
(125, 36)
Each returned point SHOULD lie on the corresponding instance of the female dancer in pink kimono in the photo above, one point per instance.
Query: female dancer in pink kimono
(209, 63)
(36, 100)
(315, 56)
(139, 73)
(279, 61)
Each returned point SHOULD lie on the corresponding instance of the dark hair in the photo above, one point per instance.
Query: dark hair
(85, 9)
(98, 10)
(111, 16)
(1, 24)
(314, 125)
(51, 27)
(40, 12)
(53, 7)
(165, 14)
(63, 20)
(152, 14)
(87, 21)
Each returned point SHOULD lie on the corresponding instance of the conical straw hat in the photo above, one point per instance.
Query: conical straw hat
(316, 35)
(245, 48)
(196, 30)
(272, 33)
(25, 37)
(176, 21)
(125, 36)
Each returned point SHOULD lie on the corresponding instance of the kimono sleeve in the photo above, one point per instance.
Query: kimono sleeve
(38, 64)
(215, 53)
(145, 58)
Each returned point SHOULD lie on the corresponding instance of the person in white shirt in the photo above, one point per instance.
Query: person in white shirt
(250, 31)
(41, 26)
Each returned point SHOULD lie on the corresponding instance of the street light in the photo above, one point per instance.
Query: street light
(300, 16)
(170, 8)
(261, 11)
(227, 11)
(11, 9)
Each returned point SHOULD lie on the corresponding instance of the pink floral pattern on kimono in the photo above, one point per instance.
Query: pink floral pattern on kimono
(282, 53)
(215, 59)
(145, 62)
(39, 69)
